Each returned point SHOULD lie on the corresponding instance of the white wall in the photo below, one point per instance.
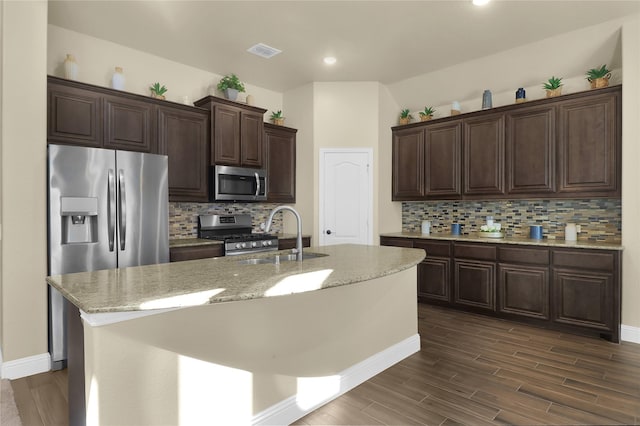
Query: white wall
(631, 177)
(97, 59)
(24, 242)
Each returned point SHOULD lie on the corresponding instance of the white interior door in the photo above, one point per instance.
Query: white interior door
(346, 196)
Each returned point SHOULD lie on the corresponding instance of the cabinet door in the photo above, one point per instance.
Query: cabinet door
(589, 145)
(474, 284)
(75, 116)
(523, 290)
(442, 160)
(280, 162)
(434, 279)
(483, 154)
(290, 243)
(530, 149)
(182, 135)
(408, 164)
(251, 129)
(226, 138)
(583, 298)
(129, 125)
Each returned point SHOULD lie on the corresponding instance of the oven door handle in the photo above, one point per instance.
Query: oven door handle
(257, 184)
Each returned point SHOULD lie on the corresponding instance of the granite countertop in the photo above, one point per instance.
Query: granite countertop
(223, 279)
(191, 242)
(545, 242)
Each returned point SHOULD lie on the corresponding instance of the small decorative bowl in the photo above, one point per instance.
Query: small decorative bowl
(491, 234)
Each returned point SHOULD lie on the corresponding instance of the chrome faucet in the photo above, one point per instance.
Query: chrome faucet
(267, 227)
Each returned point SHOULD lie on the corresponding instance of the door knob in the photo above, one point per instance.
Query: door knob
(328, 231)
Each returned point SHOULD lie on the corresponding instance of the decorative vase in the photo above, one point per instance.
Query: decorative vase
(250, 100)
(426, 117)
(117, 81)
(455, 108)
(520, 95)
(278, 121)
(598, 83)
(70, 68)
(487, 102)
(404, 120)
(156, 96)
(231, 94)
(552, 93)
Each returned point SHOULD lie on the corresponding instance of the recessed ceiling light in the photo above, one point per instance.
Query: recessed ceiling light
(329, 60)
(264, 51)
(480, 2)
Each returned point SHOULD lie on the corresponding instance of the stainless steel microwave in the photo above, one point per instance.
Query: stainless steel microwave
(238, 184)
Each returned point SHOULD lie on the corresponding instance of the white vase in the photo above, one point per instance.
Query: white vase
(117, 81)
(70, 68)
(231, 94)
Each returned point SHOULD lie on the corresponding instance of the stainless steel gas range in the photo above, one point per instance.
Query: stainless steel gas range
(236, 232)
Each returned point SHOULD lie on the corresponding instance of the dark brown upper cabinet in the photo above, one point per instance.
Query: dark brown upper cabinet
(408, 164)
(129, 124)
(483, 155)
(564, 147)
(531, 150)
(589, 149)
(74, 114)
(280, 163)
(236, 130)
(443, 144)
(183, 137)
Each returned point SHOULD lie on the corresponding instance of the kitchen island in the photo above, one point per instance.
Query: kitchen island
(216, 341)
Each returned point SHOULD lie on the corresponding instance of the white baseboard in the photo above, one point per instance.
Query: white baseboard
(630, 334)
(28, 366)
(288, 410)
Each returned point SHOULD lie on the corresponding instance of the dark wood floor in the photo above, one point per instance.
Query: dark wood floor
(471, 370)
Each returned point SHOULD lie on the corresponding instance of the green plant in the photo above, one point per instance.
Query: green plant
(553, 83)
(157, 89)
(427, 111)
(276, 115)
(405, 113)
(594, 73)
(230, 82)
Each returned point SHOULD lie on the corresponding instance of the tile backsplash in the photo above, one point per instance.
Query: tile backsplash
(600, 219)
(183, 217)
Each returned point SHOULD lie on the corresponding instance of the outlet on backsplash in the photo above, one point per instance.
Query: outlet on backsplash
(183, 217)
(600, 219)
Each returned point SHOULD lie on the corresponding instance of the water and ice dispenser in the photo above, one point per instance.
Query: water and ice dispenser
(79, 216)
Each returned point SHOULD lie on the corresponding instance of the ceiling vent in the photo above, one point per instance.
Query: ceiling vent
(264, 51)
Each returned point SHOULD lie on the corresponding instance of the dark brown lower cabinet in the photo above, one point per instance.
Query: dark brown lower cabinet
(474, 284)
(289, 243)
(523, 290)
(179, 254)
(573, 290)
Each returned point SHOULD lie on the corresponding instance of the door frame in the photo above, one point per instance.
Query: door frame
(321, 200)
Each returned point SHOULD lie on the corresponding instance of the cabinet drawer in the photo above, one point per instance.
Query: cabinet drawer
(532, 256)
(475, 251)
(396, 242)
(179, 254)
(600, 260)
(434, 248)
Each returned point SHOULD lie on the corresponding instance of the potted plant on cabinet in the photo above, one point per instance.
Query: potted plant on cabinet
(427, 114)
(157, 91)
(553, 87)
(230, 85)
(277, 118)
(599, 77)
(405, 116)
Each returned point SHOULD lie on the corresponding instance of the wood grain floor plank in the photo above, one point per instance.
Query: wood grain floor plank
(581, 417)
(459, 414)
(27, 406)
(343, 413)
(388, 416)
(51, 404)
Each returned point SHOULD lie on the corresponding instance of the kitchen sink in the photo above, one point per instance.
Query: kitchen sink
(280, 258)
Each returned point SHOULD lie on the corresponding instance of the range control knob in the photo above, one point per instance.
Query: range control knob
(238, 246)
(244, 245)
(254, 244)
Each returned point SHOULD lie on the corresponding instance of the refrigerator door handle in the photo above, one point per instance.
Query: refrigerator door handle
(111, 211)
(122, 210)
(257, 184)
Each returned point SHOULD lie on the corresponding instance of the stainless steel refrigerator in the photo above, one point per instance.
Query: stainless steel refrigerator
(107, 209)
